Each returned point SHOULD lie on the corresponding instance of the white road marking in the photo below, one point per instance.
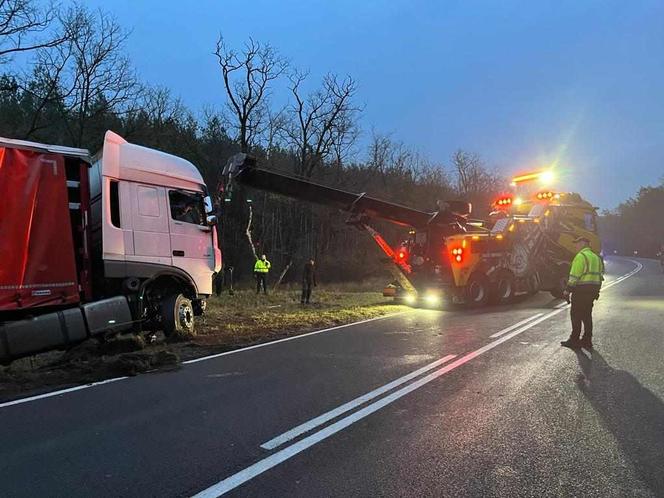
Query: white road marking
(291, 338)
(239, 478)
(516, 325)
(280, 456)
(234, 351)
(61, 391)
(326, 417)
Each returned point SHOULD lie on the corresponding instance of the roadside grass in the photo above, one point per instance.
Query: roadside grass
(246, 317)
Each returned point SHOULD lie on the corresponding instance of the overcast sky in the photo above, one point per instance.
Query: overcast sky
(522, 83)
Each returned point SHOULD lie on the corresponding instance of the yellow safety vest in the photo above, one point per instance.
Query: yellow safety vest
(262, 266)
(587, 269)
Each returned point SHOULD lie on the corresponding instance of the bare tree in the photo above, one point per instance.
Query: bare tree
(88, 75)
(472, 176)
(247, 76)
(22, 23)
(100, 77)
(322, 123)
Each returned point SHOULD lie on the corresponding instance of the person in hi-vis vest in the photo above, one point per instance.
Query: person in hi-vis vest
(584, 283)
(261, 269)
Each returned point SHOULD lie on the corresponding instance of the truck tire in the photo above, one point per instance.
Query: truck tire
(504, 288)
(533, 284)
(560, 282)
(478, 290)
(177, 316)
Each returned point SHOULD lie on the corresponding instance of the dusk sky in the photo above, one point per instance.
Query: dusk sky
(522, 83)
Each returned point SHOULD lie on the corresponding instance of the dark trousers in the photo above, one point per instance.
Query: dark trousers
(306, 291)
(261, 280)
(582, 313)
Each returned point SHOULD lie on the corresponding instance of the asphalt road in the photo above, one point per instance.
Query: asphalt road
(424, 403)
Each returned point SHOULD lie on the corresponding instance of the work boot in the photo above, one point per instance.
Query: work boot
(586, 342)
(569, 343)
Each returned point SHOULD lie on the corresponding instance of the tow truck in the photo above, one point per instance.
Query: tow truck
(524, 247)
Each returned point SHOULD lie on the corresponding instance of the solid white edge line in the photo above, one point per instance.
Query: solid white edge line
(280, 456)
(327, 416)
(291, 338)
(61, 391)
(188, 362)
(512, 327)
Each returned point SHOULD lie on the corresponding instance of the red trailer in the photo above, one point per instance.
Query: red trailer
(42, 225)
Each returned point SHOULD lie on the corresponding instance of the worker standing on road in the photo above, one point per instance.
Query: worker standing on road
(585, 280)
(308, 280)
(261, 269)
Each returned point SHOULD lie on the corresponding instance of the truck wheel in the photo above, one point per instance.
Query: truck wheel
(533, 284)
(504, 288)
(560, 282)
(477, 290)
(177, 316)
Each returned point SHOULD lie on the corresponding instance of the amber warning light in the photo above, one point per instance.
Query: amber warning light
(504, 202)
(545, 196)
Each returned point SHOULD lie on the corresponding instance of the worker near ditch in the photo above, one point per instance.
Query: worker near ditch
(261, 269)
(308, 280)
(584, 283)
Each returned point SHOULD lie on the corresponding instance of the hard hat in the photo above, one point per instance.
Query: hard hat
(581, 239)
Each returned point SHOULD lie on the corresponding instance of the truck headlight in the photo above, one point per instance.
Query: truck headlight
(432, 299)
(410, 299)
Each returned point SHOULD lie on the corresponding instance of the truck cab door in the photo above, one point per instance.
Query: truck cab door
(192, 246)
(149, 216)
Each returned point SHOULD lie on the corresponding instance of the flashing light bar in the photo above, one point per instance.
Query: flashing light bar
(545, 176)
(544, 196)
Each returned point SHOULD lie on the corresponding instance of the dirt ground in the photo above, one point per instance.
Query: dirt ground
(230, 322)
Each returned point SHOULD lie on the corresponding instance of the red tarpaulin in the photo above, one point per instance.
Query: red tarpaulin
(37, 266)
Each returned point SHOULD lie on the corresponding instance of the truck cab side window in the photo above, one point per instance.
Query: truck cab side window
(187, 207)
(115, 204)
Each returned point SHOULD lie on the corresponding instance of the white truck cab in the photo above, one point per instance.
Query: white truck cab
(153, 223)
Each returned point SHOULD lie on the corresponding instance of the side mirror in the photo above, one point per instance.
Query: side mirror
(211, 220)
(208, 204)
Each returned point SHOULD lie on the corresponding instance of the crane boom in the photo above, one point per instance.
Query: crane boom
(243, 168)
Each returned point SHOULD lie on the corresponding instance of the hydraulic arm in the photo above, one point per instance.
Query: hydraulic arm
(243, 169)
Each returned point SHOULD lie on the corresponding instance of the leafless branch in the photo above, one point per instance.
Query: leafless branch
(22, 24)
(322, 123)
(247, 76)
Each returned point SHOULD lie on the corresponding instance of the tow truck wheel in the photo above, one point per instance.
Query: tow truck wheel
(503, 288)
(177, 315)
(477, 290)
(560, 282)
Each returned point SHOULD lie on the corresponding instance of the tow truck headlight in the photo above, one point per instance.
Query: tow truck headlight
(410, 299)
(432, 299)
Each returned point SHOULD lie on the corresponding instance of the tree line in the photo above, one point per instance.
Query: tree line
(75, 82)
(636, 227)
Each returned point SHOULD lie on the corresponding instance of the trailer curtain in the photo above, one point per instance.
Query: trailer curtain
(37, 261)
